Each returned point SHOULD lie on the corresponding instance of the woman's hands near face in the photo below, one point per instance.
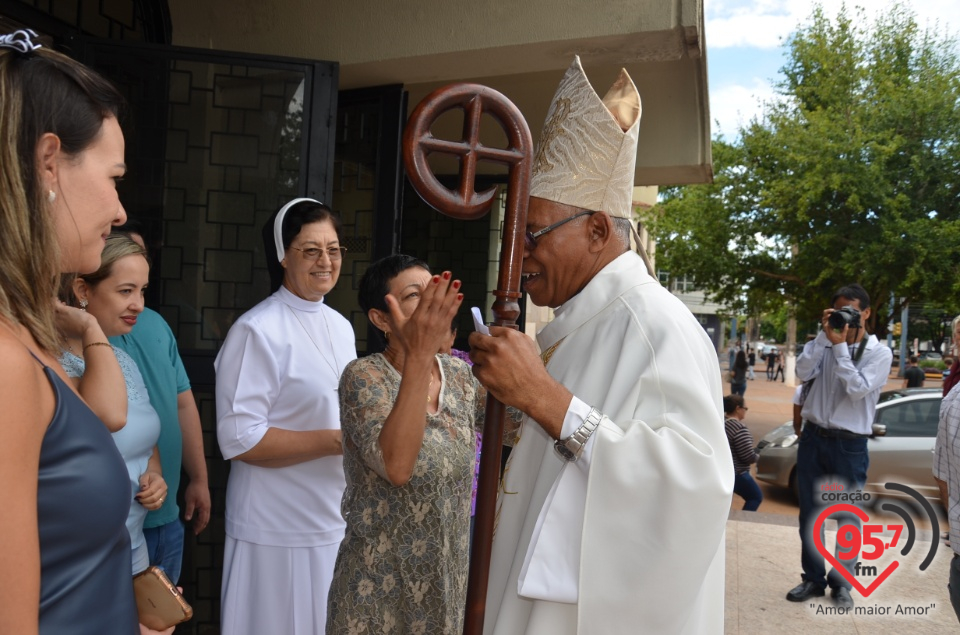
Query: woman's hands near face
(71, 321)
(426, 329)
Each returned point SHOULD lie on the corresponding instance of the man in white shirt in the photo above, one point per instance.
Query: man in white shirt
(848, 368)
(614, 502)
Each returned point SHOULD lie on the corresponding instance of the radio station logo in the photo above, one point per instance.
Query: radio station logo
(872, 541)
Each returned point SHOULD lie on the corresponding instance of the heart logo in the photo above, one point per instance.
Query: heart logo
(818, 541)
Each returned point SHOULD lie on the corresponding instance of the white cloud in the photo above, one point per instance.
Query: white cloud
(733, 106)
(764, 24)
(761, 26)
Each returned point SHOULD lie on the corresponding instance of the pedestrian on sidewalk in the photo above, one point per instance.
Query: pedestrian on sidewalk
(738, 375)
(780, 372)
(742, 449)
(751, 362)
(771, 360)
(913, 376)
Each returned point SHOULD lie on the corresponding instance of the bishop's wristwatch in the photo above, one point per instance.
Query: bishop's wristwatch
(570, 448)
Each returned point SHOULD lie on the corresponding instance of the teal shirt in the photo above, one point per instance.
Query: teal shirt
(153, 347)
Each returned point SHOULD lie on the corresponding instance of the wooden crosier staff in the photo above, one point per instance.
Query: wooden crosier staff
(466, 203)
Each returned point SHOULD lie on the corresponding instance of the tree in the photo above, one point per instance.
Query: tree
(853, 174)
(930, 323)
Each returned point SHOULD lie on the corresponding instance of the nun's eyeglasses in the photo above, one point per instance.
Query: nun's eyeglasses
(530, 238)
(312, 254)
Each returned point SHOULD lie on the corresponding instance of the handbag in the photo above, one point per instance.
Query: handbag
(159, 603)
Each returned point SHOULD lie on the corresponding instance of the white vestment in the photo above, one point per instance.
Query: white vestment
(280, 367)
(630, 538)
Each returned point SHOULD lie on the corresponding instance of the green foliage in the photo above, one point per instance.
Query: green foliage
(850, 176)
(930, 323)
(774, 324)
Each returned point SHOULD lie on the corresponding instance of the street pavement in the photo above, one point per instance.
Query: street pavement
(763, 558)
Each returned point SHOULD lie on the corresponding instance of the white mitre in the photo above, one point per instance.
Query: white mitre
(588, 148)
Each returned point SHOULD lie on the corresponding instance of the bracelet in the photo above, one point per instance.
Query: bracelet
(570, 448)
(95, 344)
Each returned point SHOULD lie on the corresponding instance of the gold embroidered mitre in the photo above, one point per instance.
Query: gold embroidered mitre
(588, 148)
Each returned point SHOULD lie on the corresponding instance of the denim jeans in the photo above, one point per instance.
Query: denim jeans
(747, 488)
(738, 389)
(165, 544)
(822, 460)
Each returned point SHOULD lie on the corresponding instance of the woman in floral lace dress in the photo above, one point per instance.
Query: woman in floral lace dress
(408, 418)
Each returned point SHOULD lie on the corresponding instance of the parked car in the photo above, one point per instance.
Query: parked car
(901, 450)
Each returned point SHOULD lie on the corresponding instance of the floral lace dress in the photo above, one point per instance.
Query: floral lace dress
(402, 565)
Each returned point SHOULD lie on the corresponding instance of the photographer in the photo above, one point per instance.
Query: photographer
(847, 368)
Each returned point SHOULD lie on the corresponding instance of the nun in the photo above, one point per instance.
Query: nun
(278, 422)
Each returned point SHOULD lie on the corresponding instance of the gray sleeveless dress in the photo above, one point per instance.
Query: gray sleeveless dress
(83, 498)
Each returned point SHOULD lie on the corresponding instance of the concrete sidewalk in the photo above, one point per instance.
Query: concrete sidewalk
(763, 563)
(763, 560)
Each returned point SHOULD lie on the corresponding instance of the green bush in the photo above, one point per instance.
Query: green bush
(932, 363)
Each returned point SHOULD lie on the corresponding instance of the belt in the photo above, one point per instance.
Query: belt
(834, 433)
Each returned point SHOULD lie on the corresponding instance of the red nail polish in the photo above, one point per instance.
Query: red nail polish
(459, 297)
(436, 279)
(456, 284)
(446, 275)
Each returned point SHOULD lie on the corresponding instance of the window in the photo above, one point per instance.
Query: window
(684, 284)
(916, 418)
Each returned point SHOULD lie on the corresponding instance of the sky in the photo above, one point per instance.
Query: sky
(745, 47)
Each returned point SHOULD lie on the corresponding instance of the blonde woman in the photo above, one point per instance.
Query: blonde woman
(113, 295)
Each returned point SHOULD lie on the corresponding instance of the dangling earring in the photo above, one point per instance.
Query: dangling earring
(83, 305)
(51, 196)
(386, 336)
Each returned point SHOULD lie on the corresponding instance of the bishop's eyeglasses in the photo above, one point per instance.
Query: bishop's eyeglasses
(312, 254)
(530, 238)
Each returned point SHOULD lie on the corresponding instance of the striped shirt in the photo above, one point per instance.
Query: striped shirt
(946, 460)
(741, 445)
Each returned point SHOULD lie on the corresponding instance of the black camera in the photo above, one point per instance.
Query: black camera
(844, 316)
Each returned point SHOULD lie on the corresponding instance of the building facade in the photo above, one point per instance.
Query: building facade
(238, 106)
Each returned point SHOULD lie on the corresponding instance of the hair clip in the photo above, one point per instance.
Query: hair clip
(21, 41)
